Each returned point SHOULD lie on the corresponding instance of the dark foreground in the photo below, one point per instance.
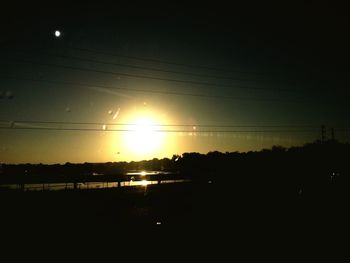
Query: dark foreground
(203, 219)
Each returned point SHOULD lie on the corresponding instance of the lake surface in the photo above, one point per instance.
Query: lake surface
(136, 180)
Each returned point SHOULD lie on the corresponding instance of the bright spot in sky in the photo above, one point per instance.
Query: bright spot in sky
(143, 173)
(142, 136)
(57, 33)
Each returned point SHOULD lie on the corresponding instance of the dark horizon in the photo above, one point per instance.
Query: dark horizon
(279, 194)
(317, 141)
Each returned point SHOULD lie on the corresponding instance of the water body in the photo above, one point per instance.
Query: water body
(136, 180)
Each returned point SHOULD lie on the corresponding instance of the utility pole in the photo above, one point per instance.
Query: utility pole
(323, 133)
(332, 134)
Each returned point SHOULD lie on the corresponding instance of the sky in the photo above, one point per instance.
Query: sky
(122, 82)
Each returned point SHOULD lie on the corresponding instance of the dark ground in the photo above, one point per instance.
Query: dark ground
(202, 219)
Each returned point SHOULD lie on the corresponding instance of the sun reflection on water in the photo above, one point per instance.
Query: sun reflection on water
(144, 182)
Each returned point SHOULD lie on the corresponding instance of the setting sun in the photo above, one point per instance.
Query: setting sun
(142, 137)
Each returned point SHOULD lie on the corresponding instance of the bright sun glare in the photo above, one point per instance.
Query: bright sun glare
(142, 137)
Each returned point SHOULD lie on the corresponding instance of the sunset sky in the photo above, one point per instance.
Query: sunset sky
(126, 82)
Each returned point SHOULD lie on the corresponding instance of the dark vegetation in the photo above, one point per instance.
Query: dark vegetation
(256, 199)
(312, 170)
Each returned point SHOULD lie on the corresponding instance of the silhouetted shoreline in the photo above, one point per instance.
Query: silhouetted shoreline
(312, 169)
(283, 194)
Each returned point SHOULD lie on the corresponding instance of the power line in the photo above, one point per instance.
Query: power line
(157, 125)
(134, 66)
(160, 61)
(160, 131)
(145, 77)
(111, 88)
